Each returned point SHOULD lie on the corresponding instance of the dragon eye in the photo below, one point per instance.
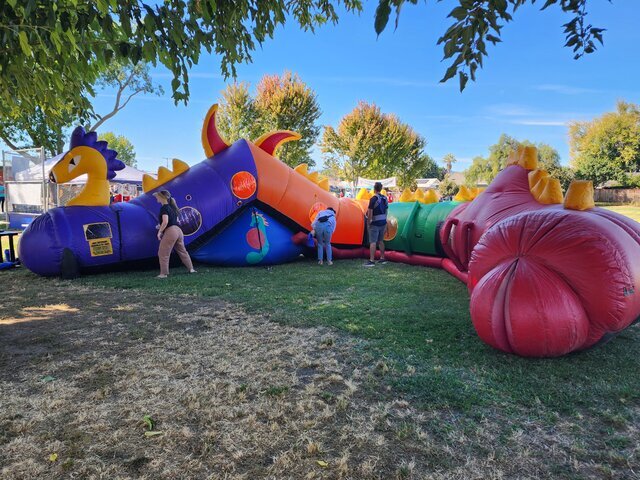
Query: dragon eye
(75, 160)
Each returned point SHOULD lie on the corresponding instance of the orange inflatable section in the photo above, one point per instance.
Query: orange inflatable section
(297, 197)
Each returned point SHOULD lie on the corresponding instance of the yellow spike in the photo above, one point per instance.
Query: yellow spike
(363, 194)
(418, 195)
(302, 169)
(313, 176)
(539, 187)
(384, 192)
(512, 159)
(463, 195)
(579, 195)
(148, 183)
(535, 176)
(406, 196)
(164, 175)
(552, 192)
(179, 166)
(324, 184)
(528, 157)
(431, 196)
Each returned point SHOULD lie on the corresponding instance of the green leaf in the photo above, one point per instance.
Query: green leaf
(451, 71)
(148, 421)
(463, 80)
(548, 3)
(459, 13)
(24, 43)
(382, 15)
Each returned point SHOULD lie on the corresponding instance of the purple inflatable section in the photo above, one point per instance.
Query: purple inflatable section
(126, 232)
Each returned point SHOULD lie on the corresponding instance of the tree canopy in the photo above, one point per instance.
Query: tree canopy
(485, 169)
(53, 52)
(23, 128)
(122, 145)
(447, 187)
(477, 23)
(608, 147)
(281, 102)
(370, 143)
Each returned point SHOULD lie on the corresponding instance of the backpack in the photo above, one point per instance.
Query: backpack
(385, 204)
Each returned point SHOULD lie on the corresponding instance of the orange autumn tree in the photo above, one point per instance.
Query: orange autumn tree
(281, 102)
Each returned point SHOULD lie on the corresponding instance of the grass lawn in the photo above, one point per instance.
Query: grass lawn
(432, 400)
(627, 210)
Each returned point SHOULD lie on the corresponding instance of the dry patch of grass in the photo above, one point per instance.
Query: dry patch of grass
(229, 395)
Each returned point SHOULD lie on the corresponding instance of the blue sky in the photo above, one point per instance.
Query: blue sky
(530, 86)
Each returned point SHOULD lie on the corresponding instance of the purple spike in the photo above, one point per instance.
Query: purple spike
(77, 137)
(81, 139)
(91, 138)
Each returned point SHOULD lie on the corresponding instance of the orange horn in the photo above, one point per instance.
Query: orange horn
(272, 140)
(211, 139)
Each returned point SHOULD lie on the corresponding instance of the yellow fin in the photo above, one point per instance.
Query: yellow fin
(363, 194)
(324, 183)
(406, 196)
(463, 195)
(148, 182)
(431, 196)
(164, 175)
(579, 195)
(539, 187)
(525, 156)
(302, 169)
(552, 192)
(179, 166)
(528, 158)
(535, 176)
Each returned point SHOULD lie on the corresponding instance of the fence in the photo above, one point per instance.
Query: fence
(617, 195)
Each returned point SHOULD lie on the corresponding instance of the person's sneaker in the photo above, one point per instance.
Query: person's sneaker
(382, 261)
(329, 263)
(319, 262)
(370, 264)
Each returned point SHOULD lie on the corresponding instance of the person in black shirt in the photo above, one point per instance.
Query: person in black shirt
(170, 234)
(377, 224)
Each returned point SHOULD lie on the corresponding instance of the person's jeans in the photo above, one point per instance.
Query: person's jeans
(323, 236)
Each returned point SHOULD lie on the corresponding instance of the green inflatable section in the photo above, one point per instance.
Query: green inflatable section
(418, 226)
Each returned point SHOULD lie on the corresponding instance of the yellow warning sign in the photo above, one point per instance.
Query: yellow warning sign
(100, 247)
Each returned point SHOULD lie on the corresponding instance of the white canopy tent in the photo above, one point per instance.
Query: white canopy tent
(368, 183)
(30, 193)
(34, 174)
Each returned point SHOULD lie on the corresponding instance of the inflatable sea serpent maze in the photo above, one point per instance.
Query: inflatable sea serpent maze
(547, 274)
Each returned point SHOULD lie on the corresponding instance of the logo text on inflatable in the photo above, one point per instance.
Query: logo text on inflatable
(243, 185)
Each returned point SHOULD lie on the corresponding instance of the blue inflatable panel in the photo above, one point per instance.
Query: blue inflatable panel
(254, 238)
(20, 221)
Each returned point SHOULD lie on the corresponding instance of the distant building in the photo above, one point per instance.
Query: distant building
(427, 182)
(458, 179)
